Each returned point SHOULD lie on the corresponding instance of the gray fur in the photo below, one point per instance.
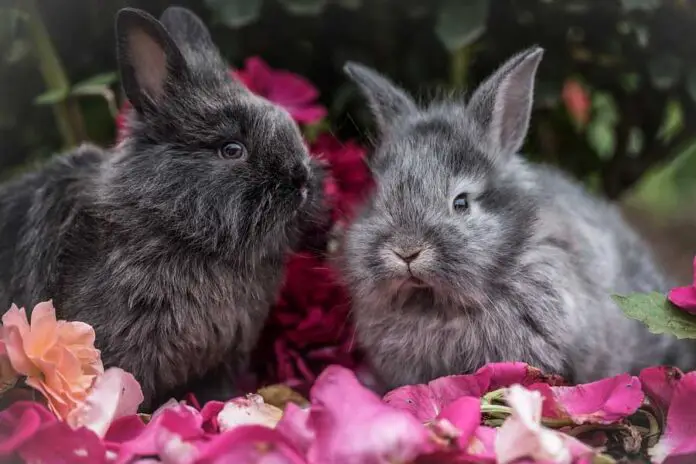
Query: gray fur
(172, 253)
(525, 274)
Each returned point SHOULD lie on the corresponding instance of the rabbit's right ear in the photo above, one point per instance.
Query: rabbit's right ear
(187, 29)
(387, 101)
(148, 58)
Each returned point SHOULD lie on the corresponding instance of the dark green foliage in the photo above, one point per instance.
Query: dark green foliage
(636, 58)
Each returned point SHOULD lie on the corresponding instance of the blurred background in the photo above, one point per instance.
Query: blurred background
(615, 101)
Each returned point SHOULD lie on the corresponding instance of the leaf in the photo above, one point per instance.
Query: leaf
(459, 23)
(51, 97)
(103, 79)
(236, 13)
(655, 311)
(304, 7)
(672, 122)
(17, 51)
(600, 136)
(665, 70)
(631, 5)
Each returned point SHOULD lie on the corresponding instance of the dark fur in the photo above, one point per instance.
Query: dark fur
(524, 275)
(172, 253)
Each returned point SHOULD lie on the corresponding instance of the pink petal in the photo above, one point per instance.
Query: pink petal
(249, 444)
(341, 411)
(605, 401)
(288, 89)
(209, 415)
(684, 298)
(20, 422)
(115, 394)
(425, 401)
(659, 383)
(180, 422)
(419, 400)
(679, 440)
(59, 443)
(293, 426)
(124, 429)
(465, 415)
(307, 114)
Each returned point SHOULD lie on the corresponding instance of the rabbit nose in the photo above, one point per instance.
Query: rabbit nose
(408, 256)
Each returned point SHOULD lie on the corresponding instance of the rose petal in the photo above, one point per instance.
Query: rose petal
(21, 421)
(249, 410)
(465, 415)
(293, 426)
(659, 383)
(679, 439)
(341, 408)
(425, 401)
(684, 298)
(115, 394)
(523, 436)
(59, 443)
(605, 401)
(249, 444)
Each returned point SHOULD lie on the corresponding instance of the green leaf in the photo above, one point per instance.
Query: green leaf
(600, 136)
(665, 71)
(630, 5)
(604, 107)
(236, 13)
(17, 51)
(655, 311)
(304, 7)
(460, 23)
(100, 80)
(672, 122)
(52, 97)
(635, 141)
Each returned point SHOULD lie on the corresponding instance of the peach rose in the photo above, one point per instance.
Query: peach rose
(8, 376)
(58, 357)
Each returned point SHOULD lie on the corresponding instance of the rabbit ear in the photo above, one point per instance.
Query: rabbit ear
(387, 101)
(148, 57)
(187, 30)
(503, 103)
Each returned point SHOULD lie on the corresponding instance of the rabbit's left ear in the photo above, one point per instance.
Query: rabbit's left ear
(148, 58)
(502, 105)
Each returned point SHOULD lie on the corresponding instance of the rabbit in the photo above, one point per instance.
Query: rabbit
(467, 254)
(172, 244)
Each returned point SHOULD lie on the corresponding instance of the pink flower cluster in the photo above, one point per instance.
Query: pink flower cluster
(346, 423)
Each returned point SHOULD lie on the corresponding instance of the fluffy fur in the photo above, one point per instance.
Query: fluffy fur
(524, 273)
(171, 252)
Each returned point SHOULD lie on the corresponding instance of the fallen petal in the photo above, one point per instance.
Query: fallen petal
(249, 444)
(352, 425)
(249, 410)
(115, 394)
(659, 383)
(293, 426)
(679, 440)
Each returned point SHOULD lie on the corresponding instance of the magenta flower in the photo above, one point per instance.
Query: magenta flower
(353, 426)
(294, 93)
(59, 443)
(685, 297)
(604, 402)
(678, 444)
(293, 425)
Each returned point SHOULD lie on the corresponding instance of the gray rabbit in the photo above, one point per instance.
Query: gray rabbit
(467, 254)
(172, 245)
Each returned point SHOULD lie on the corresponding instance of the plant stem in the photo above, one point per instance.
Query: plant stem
(459, 67)
(66, 112)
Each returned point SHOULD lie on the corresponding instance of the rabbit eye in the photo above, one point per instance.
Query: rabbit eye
(461, 203)
(233, 151)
